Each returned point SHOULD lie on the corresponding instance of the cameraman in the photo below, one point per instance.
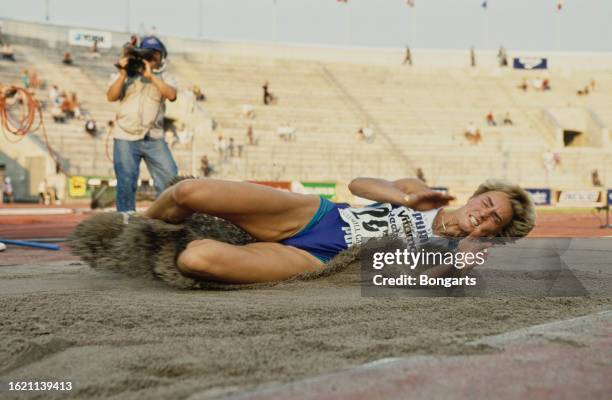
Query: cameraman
(141, 86)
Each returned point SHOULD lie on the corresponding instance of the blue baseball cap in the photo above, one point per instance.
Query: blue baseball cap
(153, 43)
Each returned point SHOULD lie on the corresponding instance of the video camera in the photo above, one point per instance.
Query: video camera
(135, 65)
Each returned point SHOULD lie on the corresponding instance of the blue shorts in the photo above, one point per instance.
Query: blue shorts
(323, 236)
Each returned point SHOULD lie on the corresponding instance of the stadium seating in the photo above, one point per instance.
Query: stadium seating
(418, 116)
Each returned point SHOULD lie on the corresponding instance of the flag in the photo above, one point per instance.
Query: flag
(410, 3)
(559, 5)
(484, 4)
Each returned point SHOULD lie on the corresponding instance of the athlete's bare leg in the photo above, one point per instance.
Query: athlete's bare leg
(267, 214)
(251, 263)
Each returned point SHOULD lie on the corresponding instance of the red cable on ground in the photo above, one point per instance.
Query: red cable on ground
(22, 125)
(27, 106)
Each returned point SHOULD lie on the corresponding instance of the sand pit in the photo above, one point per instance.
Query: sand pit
(118, 337)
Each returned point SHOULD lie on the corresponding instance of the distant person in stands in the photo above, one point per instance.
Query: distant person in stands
(368, 134)
(35, 81)
(268, 97)
(239, 149)
(365, 134)
(205, 167)
(67, 60)
(130, 44)
(138, 133)
(472, 134)
(491, 119)
(360, 135)
(545, 84)
(57, 114)
(247, 111)
(286, 132)
(595, 178)
(548, 159)
(44, 196)
(134, 40)
(183, 134)
(197, 92)
(36, 102)
(74, 105)
(537, 83)
(583, 92)
(231, 147)
(7, 191)
(54, 95)
(523, 86)
(408, 56)
(95, 51)
(421, 175)
(502, 57)
(592, 84)
(25, 78)
(91, 128)
(472, 57)
(67, 106)
(250, 137)
(221, 147)
(7, 52)
(507, 119)
(170, 138)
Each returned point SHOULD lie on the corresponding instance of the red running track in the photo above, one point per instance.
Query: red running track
(550, 223)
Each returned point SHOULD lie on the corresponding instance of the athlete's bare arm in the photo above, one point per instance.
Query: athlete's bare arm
(408, 192)
(411, 185)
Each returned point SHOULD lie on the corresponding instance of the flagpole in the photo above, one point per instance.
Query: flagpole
(199, 18)
(275, 20)
(486, 27)
(347, 25)
(412, 27)
(558, 30)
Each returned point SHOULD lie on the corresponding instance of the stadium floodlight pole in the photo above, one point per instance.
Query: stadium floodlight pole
(127, 16)
(347, 33)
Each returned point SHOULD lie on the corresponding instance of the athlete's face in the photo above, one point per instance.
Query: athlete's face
(485, 215)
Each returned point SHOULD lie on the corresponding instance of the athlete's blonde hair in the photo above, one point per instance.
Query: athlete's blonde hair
(523, 210)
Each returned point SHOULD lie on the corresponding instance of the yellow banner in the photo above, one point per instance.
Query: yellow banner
(77, 186)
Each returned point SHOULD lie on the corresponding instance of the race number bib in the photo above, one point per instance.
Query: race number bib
(379, 220)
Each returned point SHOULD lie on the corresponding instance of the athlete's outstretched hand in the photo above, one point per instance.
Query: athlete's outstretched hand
(427, 200)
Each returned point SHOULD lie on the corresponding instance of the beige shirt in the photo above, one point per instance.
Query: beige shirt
(141, 108)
